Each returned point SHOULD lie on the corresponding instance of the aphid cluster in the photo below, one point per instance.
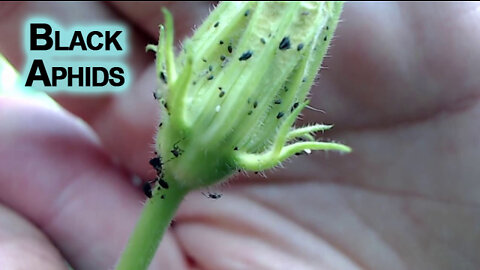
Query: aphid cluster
(157, 164)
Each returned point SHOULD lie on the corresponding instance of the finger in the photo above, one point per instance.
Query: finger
(210, 230)
(55, 173)
(125, 122)
(22, 246)
(393, 63)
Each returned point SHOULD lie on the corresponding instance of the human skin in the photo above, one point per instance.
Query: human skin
(401, 86)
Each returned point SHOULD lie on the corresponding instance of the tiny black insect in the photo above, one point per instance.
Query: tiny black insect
(160, 125)
(325, 38)
(230, 49)
(284, 44)
(280, 115)
(222, 57)
(255, 104)
(245, 56)
(176, 151)
(163, 77)
(262, 40)
(221, 42)
(327, 28)
(294, 106)
(204, 60)
(147, 189)
(278, 101)
(250, 112)
(216, 24)
(247, 12)
(213, 195)
(162, 197)
(236, 148)
(210, 68)
(156, 163)
(210, 77)
(155, 96)
(300, 47)
(163, 183)
(221, 94)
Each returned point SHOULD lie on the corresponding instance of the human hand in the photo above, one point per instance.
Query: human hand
(401, 89)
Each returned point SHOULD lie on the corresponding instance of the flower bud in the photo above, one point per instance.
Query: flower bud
(232, 95)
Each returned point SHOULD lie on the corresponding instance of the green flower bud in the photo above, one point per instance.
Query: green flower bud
(232, 95)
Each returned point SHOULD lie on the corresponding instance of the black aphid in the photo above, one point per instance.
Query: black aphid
(210, 77)
(236, 148)
(163, 77)
(278, 101)
(221, 42)
(255, 104)
(250, 112)
(147, 189)
(210, 68)
(222, 93)
(294, 106)
(284, 44)
(156, 163)
(216, 24)
(280, 115)
(262, 40)
(212, 195)
(300, 47)
(162, 197)
(176, 151)
(247, 12)
(160, 125)
(325, 38)
(204, 60)
(222, 57)
(245, 56)
(230, 49)
(163, 183)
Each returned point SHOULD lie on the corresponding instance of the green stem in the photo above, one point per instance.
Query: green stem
(154, 220)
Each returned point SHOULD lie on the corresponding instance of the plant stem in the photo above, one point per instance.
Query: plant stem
(154, 220)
